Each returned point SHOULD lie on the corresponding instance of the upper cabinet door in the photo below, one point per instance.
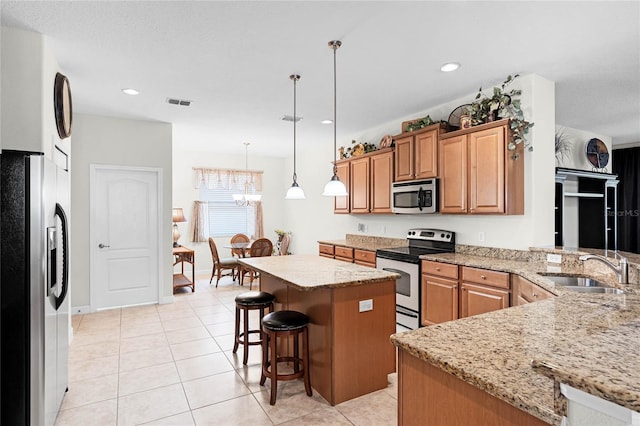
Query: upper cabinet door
(360, 187)
(426, 155)
(453, 175)
(404, 159)
(486, 174)
(381, 178)
(341, 204)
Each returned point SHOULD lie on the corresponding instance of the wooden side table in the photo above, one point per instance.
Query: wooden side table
(183, 254)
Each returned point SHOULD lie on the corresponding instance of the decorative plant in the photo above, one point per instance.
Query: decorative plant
(419, 124)
(280, 233)
(563, 146)
(357, 149)
(502, 105)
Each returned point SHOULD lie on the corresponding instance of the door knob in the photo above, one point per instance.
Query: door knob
(102, 246)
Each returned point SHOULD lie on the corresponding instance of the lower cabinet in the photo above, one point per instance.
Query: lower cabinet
(450, 291)
(524, 291)
(483, 291)
(348, 254)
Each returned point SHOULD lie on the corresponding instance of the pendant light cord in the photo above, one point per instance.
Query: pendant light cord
(295, 79)
(335, 45)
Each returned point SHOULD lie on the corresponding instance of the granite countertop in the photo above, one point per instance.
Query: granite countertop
(517, 354)
(310, 272)
(366, 242)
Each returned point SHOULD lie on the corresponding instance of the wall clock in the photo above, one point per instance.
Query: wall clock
(597, 153)
(62, 105)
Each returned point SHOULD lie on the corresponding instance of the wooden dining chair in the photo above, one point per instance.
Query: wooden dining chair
(239, 238)
(222, 264)
(260, 248)
(284, 245)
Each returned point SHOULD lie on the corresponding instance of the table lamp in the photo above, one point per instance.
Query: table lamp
(177, 215)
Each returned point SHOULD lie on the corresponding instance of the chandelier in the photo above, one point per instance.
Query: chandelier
(247, 198)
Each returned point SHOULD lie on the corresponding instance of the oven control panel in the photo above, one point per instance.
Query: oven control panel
(431, 235)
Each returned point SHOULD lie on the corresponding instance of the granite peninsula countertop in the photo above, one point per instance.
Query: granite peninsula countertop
(588, 341)
(309, 272)
(366, 242)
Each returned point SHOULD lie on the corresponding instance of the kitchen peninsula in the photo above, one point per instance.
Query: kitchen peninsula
(506, 366)
(352, 311)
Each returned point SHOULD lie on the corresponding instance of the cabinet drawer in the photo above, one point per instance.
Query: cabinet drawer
(527, 291)
(485, 277)
(326, 249)
(364, 256)
(446, 270)
(344, 253)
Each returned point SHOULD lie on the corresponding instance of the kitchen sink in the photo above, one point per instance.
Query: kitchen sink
(582, 284)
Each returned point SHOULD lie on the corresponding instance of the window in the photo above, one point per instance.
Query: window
(226, 218)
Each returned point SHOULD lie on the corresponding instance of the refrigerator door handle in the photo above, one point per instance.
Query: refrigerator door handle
(65, 253)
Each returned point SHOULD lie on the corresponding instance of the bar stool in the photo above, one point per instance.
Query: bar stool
(248, 301)
(281, 324)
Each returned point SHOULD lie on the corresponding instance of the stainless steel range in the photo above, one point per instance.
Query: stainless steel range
(405, 261)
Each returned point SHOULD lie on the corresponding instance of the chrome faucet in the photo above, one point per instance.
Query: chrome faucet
(622, 269)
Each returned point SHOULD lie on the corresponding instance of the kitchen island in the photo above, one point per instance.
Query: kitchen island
(352, 312)
(506, 366)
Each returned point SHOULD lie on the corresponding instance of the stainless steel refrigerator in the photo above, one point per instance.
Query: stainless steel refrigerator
(34, 283)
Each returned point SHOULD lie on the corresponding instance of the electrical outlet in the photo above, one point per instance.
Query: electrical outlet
(554, 258)
(366, 305)
(481, 236)
(383, 229)
(362, 227)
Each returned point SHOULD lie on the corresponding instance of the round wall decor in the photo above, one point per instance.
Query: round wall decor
(62, 105)
(597, 153)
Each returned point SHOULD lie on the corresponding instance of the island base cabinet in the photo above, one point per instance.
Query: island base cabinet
(428, 396)
(350, 351)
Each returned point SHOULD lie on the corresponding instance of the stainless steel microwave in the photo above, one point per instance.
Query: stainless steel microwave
(415, 197)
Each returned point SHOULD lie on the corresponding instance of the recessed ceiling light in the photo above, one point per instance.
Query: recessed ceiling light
(449, 66)
(130, 91)
(326, 121)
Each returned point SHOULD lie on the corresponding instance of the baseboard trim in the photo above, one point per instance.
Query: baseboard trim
(79, 310)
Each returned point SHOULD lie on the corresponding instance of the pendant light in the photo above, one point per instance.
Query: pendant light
(335, 187)
(247, 198)
(295, 192)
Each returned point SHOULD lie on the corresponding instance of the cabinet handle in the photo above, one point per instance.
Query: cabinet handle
(438, 269)
(534, 295)
(483, 277)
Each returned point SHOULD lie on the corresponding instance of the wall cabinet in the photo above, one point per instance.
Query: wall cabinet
(341, 204)
(417, 153)
(450, 292)
(524, 291)
(368, 179)
(478, 174)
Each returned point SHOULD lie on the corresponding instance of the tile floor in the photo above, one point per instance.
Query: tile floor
(173, 365)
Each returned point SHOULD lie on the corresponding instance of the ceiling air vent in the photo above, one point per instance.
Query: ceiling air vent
(290, 118)
(174, 101)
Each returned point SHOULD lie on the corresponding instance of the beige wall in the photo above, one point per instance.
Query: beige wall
(115, 141)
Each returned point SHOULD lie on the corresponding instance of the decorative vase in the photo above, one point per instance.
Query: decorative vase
(465, 121)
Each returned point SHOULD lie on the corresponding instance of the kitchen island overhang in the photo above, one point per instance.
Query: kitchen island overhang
(351, 354)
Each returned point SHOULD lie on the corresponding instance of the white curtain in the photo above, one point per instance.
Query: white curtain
(199, 221)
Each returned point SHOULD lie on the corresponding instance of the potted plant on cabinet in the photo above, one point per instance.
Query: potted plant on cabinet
(502, 105)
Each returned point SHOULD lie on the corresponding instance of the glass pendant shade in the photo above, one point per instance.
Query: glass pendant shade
(335, 187)
(295, 192)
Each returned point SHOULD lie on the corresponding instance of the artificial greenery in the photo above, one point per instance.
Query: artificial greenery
(419, 124)
(502, 104)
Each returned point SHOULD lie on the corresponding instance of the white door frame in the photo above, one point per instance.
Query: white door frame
(93, 243)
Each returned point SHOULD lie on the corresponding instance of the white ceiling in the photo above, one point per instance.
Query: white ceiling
(233, 60)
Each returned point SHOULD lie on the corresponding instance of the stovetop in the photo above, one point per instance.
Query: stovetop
(421, 241)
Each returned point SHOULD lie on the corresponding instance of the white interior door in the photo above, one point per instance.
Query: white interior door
(125, 212)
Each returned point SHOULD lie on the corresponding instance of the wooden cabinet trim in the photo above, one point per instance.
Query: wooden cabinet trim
(524, 291)
(326, 249)
(344, 253)
(382, 173)
(364, 255)
(479, 299)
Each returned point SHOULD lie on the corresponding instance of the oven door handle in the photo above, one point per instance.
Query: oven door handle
(395, 271)
(403, 311)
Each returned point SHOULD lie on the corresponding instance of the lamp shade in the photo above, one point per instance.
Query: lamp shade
(177, 215)
(335, 188)
(295, 193)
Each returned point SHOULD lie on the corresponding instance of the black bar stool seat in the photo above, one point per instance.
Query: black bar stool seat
(245, 302)
(282, 324)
